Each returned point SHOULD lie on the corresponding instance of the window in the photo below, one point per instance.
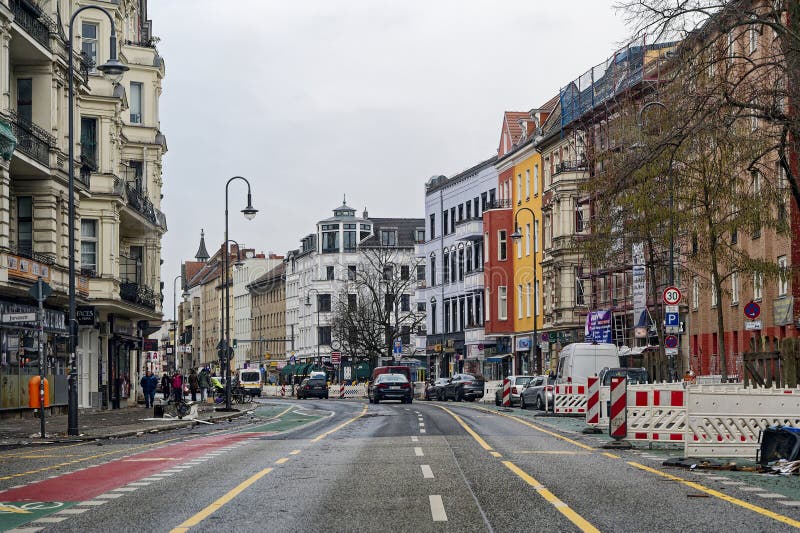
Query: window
(405, 302)
(492, 198)
(433, 317)
(518, 242)
(527, 183)
(452, 220)
(579, 294)
(388, 302)
(352, 302)
(519, 301)
(433, 226)
(528, 300)
(89, 140)
(404, 272)
(460, 212)
(330, 239)
(487, 300)
(469, 209)
(446, 220)
(89, 44)
(446, 264)
(527, 239)
(405, 335)
(420, 307)
(351, 272)
(502, 302)
(137, 168)
(136, 103)
(519, 188)
(419, 235)
(25, 100)
(695, 292)
(579, 220)
(758, 285)
(477, 211)
(25, 224)
(535, 298)
(453, 266)
(535, 236)
(388, 237)
(783, 276)
(734, 288)
(501, 245)
(349, 243)
(324, 335)
(89, 244)
(324, 303)
(420, 272)
(447, 323)
(483, 202)
(753, 34)
(731, 43)
(433, 270)
(535, 179)
(329, 273)
(388, 272)
(365, 232)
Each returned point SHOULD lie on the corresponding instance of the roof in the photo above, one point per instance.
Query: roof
(406, 231)
(276, 274)
(548, 106)
(511, 119)
(439, 182)
(202, 253)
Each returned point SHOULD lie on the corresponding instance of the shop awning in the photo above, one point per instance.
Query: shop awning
(497, 358)
(288, 370)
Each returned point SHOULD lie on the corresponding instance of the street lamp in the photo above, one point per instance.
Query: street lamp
(112, 68)
(517, 236)
(249, 213)
(308, 306)
(175, 317)
(671, 279)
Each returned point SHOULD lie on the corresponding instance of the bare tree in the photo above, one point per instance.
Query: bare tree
(376, 307)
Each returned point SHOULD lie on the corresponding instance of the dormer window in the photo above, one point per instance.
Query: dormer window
(388, 237)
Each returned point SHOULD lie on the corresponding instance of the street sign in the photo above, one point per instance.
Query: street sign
(752, 310)
(398, 347)
(19, 317)
(671, 351)
(40, 289)
(671, 341)
(336, 357)
(752, 325)
(671, 309)
(672, 296)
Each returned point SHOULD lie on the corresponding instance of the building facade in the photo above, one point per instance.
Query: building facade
(268, 293)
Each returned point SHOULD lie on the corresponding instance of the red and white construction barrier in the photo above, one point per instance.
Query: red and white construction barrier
(341, 391)
(618, 427)
(569, 398)
(506, 392)
(657, 413)
(593, 402)
(283, 390)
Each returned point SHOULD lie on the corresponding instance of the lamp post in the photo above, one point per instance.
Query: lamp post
(112, 68)
(671, 278)
(517, 236)
(185, 295)
(249, 213)
(308, 306)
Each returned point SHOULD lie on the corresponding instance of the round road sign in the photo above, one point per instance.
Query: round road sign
(672, 295)
(671, 341)
(752, 310)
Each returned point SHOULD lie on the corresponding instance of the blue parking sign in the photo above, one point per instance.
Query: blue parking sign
(672, 319)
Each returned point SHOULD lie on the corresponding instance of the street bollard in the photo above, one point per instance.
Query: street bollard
(506, 392)
(618, 417)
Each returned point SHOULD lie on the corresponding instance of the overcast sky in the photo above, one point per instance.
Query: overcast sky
(314, 99)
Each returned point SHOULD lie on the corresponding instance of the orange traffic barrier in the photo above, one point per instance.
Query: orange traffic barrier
(33, 392)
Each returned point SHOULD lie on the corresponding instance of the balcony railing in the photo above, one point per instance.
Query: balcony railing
(32, 20)
(138, 294)
(498, 204)
(570, 166)
(32, 140)
(141, 204)
(470, 229)
(27, 252)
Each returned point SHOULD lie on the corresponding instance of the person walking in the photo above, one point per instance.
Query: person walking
(149, 383)
(204, 380)
(165, 386)
(194, 384)
(177, 386)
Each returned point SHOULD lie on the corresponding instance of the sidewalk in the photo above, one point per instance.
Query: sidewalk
(101, 424)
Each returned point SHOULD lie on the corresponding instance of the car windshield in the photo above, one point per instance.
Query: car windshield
(466, 377)
(523, 381)
(316, 381)
(250, 376)
(392, 378)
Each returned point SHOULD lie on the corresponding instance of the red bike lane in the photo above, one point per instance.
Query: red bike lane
(36, 500)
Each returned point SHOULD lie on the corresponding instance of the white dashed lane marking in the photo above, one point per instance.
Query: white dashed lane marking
(427, 473)
(437, 508)
(418, 451)
(414, 439)
(770, 495)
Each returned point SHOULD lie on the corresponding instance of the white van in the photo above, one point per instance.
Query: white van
(250, 380)
(581, 360)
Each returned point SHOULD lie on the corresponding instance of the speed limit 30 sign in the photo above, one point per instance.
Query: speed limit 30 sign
(672, 295)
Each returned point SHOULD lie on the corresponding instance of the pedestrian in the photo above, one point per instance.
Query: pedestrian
(149, 383)
(194, 384)
(177, 386)
(165, 386)
(204, 381)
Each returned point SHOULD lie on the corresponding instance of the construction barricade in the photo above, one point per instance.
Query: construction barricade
(726, 422)
(593, 401)
(656, 413)
(569, 399)
(349, 391)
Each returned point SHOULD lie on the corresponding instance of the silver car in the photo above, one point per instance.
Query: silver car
(518, 383)
(534, 394)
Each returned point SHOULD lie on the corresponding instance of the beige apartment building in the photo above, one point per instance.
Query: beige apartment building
(268, 295)
(119, 225)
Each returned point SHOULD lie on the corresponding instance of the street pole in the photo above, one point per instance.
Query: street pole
(534, 353)
(42, 359)
(249, 212)
(112, 68)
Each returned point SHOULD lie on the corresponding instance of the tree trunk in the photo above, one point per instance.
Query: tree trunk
(717, 282)
(657, 308)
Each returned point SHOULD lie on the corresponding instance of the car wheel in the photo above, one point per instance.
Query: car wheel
(460, 395)
(326, 396)
(522, 402)
(539, 403)
(377, 400)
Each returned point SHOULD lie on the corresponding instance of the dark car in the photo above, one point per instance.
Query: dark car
(635, 376)
(390, 387)
(463, 387)
(434, 389)
(313, 387)
(534, 394)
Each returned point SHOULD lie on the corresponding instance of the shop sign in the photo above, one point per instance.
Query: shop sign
(150, 344)
(86, 315)
(475, 351)
(523, 344)
(123, 327)
(782, 310)
(24, 268)
(54, 321)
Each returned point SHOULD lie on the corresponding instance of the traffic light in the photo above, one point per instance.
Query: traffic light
(234, 343)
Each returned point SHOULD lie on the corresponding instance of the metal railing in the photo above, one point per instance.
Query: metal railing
(27, 251)
(141, 204)
(29, 17)
(570, 166)
(32, 140)
(138, 294)
(498, 204)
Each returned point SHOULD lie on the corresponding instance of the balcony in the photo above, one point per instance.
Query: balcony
(473, 281)
(32, 140)
(30, 18)
(138, 201)
(570, 166)
(498, 204)
(137, 294)
(470, 229)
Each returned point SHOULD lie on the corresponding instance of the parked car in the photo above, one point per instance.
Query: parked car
(518, 384)
(390, 387)
(463, 387)
(534, 394)
(635, 376)
(316, 387)
(433, 389)
(378, 370)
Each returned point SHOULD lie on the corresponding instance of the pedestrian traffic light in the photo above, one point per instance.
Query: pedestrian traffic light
(234, 343)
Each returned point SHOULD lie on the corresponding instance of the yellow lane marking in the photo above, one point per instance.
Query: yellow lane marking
(720, 495)
(496, 454)
(49, 449)
(537, 428)
(294, 452)
(216, 505)
(13, 509)
(340, 426)
(281, 460)
(562, 507)
(205, 513)
(51, 467)
(607, 454)
(553, 452)
(468, 429)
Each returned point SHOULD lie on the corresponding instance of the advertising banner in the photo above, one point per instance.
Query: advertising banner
(598, 326)
(639, 290)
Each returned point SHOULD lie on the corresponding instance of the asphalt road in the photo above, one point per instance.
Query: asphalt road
(319, 465)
